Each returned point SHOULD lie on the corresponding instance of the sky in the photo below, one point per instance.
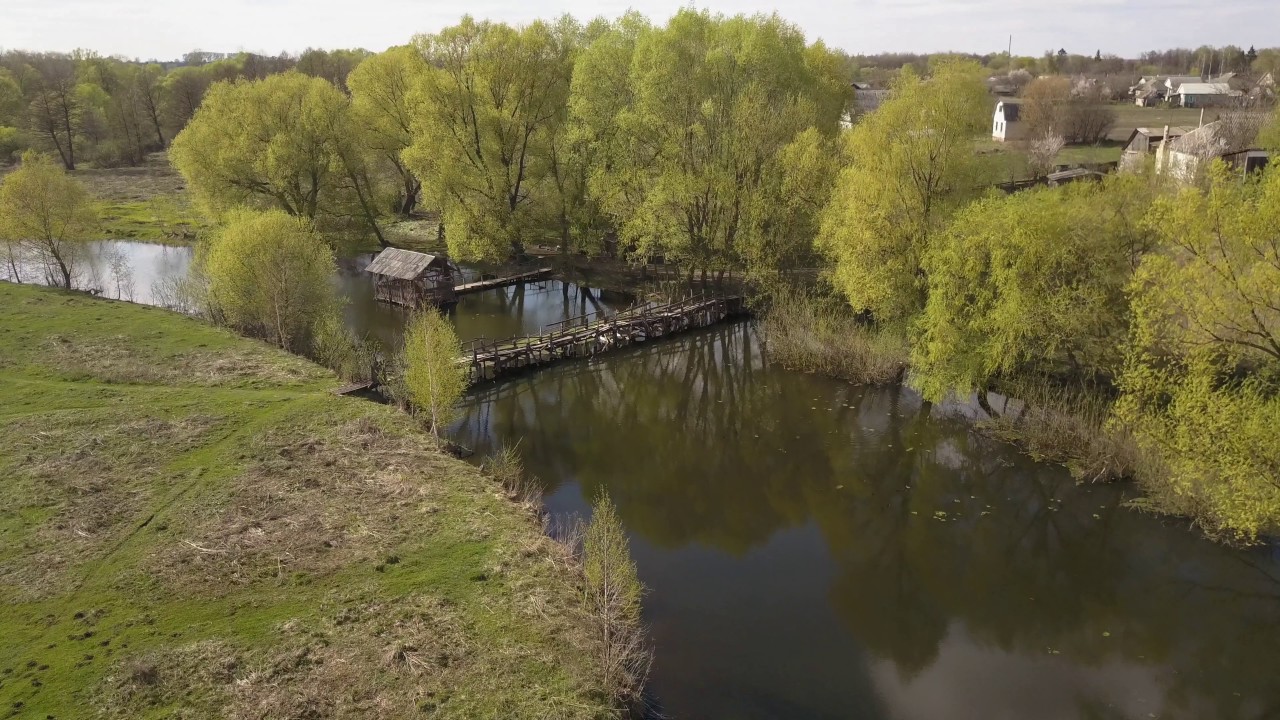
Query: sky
(165, 29)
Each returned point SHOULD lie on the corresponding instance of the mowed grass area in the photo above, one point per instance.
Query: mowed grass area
(193, 525)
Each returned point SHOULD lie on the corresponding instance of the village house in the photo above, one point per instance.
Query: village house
(1203, 95)
(1007, 125)
(1152, 90)
(1231, 140)
(1143, 143)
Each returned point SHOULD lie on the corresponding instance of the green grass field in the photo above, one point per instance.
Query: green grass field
(193, 525)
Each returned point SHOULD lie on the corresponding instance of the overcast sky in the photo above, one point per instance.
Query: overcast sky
(165, 29)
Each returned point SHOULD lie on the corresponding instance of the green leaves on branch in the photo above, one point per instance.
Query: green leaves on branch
(433, 378)
(692, 124)
(485, 122)
(268, 274)
(911, 165)
(285, 142)
(1031, 284)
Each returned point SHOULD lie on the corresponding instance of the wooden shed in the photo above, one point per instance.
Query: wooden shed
(414, 279)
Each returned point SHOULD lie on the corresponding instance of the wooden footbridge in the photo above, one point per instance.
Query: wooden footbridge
(494, 283)
(595, 333)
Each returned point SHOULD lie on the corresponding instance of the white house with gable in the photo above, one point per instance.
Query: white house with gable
(1007, 125)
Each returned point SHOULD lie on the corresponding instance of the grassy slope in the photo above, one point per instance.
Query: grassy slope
(191, 524)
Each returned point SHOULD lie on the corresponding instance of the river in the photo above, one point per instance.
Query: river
(814, 549)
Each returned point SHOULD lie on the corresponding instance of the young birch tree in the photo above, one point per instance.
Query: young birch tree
(433, 378)
(613, 594)
(47, 214)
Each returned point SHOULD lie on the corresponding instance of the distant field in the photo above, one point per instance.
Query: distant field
(1010, 159)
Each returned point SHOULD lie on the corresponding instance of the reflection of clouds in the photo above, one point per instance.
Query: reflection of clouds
(968, 680)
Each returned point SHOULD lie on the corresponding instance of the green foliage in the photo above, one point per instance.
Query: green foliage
(1201, 381)
(614, 592)
(694, 121)
(484, 116)
(46, 214)
(269, 274)
(380, 86)
(911, 164)
(433, 378)
(336, 346)
(286, 142)
(1031, 284)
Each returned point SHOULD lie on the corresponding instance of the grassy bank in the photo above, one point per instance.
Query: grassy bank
(193, 525)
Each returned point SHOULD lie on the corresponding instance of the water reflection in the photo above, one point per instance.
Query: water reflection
(145, 273)
(818, 550)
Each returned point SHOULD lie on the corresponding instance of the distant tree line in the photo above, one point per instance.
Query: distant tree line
(1205, 60)
(108, 111)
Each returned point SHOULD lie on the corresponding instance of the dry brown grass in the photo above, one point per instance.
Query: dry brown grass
(1068, 427)
(809, 333)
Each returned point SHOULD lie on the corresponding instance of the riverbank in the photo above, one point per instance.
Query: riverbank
(194, 523)
(1068, 426)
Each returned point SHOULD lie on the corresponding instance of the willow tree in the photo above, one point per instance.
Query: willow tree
(695, 118)
(380, 87)
(269, 274)
(1201, 388)
(1032, 285)
(286, 141)
(483, 115)
(45, 214)
(911, 164)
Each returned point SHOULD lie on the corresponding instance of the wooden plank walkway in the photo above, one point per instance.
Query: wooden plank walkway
(493, 283)
(592, 334)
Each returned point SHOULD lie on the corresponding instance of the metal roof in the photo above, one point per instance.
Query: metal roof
(1203, 88)
(403, 264)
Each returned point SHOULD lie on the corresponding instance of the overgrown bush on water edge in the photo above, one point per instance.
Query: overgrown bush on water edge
(807, 332)
(613, 596)
(1070, 427)
(1215, 444)
(507, 468)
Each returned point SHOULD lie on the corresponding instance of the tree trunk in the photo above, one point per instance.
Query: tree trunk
(985, 403)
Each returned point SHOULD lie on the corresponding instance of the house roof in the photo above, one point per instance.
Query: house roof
(1072, 174)
(404, 264)
(1221, 137)
(1176, 81)
(1204, 88)
(1011, 110)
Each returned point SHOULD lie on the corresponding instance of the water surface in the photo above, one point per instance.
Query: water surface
(818, 550)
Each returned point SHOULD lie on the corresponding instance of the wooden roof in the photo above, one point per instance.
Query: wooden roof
(404, 264)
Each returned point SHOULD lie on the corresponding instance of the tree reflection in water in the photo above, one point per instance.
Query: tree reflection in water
(816, 549)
